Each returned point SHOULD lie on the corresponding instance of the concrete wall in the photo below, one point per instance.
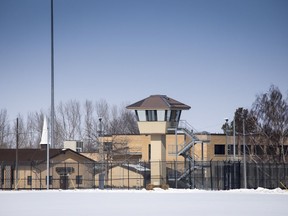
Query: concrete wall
(121, 177)
(152, 127)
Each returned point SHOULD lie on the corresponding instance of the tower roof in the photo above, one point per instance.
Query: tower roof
(158, 102)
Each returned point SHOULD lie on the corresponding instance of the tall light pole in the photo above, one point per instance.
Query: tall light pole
(52, 94)
(52, 74)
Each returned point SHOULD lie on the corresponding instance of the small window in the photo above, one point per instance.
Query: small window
(175, 115)
(161, 115)
(151, 115)
(231, 149)
(219, 149)
(108, 146)
(50, 180)
(259, 150)
(29, 180)
(149, 152)
(137, 116)
(79, 179)
(247, 150)
(167, 115)
(141, 115)
(2, 176)
(271, 150)
(285, 149)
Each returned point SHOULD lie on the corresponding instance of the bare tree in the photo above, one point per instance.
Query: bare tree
(123, 121)
(72, 122)
(240, 115)
(128, 122)
(5, 133)
(271, 111)
(102, 111)
(69, 120)
(90, 127)
(114, 124)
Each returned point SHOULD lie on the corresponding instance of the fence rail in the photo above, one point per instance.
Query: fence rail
(208, 175)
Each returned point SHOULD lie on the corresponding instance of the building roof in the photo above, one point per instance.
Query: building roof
(29, 155)
(159, 102)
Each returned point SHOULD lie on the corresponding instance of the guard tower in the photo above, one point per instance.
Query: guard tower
(155, 115)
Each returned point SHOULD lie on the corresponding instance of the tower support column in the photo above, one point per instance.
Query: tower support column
(158, 159)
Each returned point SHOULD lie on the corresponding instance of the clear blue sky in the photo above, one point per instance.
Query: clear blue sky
(213, 55)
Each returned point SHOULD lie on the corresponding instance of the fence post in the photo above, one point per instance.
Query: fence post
(111, 181)
(277, 176)
(175, 174)
(190, 180)
(78, 173)
(128, 176)
(211, 174)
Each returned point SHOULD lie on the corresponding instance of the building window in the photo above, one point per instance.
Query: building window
(285, 150)
(259, 150)
(231, 149)
(79, 179)
(29, 180)
(79, 146)
(2, 175)
(149, 152)
(271, 150)
(108, 146)
(137, 116)
(175, 115)
(151, 115)
(50, 180)
(140, 114)
(247, 149)
(219, 149)
(161, 115)
(167, 115)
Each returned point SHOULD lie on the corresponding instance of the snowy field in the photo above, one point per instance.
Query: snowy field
(242, 202)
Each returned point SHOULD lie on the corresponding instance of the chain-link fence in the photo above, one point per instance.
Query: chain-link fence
(208, 175)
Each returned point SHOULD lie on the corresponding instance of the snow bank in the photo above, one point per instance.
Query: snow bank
(240, 202)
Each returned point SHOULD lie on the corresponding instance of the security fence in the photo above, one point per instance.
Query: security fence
(208, 175)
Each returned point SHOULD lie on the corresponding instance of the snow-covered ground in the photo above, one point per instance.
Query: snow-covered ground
(242, 202)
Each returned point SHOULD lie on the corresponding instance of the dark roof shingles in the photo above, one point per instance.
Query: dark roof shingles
(158, 102)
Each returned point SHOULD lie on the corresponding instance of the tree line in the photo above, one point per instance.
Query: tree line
(265, 125)
(73, 121)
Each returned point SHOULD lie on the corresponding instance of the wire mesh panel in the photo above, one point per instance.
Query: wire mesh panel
(207, 175)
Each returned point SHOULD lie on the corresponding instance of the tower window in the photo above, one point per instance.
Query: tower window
(175, 115)
(151, 115)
